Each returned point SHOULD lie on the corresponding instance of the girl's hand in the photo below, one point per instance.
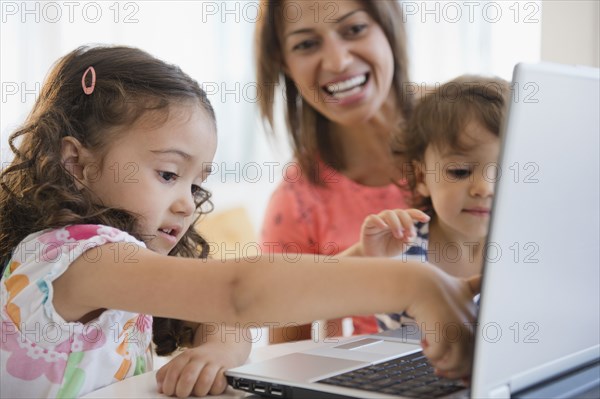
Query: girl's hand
(445, 312)
(197, 371)
(389, 232)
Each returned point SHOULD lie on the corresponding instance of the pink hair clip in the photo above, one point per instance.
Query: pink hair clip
(89, 89)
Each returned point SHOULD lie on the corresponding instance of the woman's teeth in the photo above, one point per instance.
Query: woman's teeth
(346, 88)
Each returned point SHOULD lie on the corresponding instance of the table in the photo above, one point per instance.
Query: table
(144, 385)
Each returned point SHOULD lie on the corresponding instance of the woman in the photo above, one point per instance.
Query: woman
(343, 66)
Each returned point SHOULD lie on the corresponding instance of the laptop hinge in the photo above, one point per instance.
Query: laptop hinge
(501, 392)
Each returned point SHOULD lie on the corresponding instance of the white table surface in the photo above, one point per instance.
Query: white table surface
(144, 385)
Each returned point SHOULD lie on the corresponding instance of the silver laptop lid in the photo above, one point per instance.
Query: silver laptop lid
(540, 302)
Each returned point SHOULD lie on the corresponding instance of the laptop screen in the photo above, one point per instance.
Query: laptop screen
(539, 313)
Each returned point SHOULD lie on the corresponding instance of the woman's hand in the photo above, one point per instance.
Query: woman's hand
(389, 232)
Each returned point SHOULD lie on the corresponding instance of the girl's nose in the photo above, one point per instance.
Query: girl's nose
(184, 203)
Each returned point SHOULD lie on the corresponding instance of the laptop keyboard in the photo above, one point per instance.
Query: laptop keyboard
(410, 376)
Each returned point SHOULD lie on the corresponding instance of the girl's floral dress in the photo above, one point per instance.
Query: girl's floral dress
(41, 354)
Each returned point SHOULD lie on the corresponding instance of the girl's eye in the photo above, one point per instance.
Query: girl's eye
(305, 45)
(167, 176)
(459, 173)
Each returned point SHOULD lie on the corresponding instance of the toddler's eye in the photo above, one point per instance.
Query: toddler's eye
(167, 176)
(459, 173)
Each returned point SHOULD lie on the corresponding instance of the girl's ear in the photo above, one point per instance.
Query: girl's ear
(74, 158)
(421, 186)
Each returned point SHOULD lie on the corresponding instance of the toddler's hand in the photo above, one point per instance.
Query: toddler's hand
(197, 371)
(389, 232)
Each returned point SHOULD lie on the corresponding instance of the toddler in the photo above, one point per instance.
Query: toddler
(449, 153)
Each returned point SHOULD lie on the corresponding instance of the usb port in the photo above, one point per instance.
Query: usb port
(276, 391)
(260, 388)
(245, 385)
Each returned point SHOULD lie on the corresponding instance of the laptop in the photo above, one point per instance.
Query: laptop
(538, 330)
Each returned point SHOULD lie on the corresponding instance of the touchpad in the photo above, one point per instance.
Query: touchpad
(297, 367)
(359, 344)
(379, 346)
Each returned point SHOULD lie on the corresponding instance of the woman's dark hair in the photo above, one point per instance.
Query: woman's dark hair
(38, 193)
(308, 130)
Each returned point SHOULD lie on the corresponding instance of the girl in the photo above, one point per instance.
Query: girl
(344, 70)
(452, 145)
(96, 234)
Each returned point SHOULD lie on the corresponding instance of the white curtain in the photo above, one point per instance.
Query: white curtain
(212, 41)
(451, 38)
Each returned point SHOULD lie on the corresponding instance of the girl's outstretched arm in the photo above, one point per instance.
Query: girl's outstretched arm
(274, 288)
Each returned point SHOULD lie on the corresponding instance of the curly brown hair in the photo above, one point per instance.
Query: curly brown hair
(441, 115)
(38, 193)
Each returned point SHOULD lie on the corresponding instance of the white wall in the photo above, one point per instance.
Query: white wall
(570, 32)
